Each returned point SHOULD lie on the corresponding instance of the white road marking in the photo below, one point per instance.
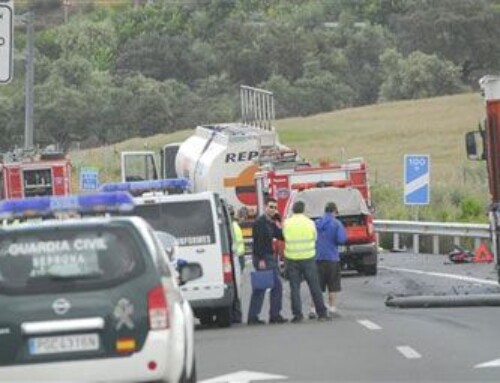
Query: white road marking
(443, 275)
(408, 352)
(369, 324)
(493, 363)
(243, 377)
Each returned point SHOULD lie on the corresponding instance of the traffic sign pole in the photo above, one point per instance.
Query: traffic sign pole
(6, 43)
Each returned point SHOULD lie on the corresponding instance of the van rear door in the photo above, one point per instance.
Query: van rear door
(192, 221)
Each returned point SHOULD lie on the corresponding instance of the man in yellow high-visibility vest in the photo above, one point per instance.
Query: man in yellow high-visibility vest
(239, 242)
(300, 249)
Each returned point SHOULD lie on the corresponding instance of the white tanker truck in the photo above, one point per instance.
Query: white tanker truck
(221, 157)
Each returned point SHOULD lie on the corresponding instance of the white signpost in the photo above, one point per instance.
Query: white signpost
(6, 36)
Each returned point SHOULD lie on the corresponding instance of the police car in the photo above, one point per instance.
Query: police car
(90, 299)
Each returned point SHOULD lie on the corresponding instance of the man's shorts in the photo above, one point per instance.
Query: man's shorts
(329, 275)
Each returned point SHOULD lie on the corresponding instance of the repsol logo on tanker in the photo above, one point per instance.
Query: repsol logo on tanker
(242, 156)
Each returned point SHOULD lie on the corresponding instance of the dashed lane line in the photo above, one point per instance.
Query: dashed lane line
(408, 352)
(369, 324)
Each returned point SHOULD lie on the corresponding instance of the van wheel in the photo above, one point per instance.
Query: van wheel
(224, 317)
(206, 318)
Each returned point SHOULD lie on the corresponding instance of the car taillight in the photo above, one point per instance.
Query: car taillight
(369, 225)
(227, 269)
(157, 308)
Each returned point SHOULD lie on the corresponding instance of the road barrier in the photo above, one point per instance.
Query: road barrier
(479, 232)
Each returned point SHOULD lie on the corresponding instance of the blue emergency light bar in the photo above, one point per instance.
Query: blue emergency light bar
(49, 205)
(181, 184)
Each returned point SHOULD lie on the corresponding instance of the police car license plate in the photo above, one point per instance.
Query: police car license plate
(62, 344)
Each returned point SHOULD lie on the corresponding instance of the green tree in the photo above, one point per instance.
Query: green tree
(462, 31)
(96, 41)
(417, 76)
(362, 44)
(60, 113)
(149, 110)
(164, 57)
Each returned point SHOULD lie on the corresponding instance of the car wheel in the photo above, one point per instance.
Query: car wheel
(206, 318)
(370, 270)
(224, 317)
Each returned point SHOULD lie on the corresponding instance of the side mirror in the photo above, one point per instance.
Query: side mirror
(474, 145)
(189, 272)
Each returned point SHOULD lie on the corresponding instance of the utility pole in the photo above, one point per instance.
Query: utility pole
(65, 8)
(29, 83)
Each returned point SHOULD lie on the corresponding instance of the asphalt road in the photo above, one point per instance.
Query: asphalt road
(370, 342)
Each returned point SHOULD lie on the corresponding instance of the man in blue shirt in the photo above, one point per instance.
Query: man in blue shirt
(331, 233)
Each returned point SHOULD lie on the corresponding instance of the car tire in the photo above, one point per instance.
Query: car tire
(206, 318)
(370, 269)
(224, 317)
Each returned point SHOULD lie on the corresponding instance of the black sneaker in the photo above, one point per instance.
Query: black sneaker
(255, 321)
(278, 320)
(324, 318)
(297, 319)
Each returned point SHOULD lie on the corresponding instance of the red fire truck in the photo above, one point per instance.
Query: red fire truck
(28, 175)
(345, 184)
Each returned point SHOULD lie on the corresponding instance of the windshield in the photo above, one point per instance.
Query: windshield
(41, 261)
(189, 221)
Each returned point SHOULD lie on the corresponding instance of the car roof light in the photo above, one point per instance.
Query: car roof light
(48, 205)
(137, 187)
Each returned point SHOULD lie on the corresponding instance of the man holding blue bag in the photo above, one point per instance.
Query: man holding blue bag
(266, 274)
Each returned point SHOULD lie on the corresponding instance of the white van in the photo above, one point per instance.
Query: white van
(202, 226)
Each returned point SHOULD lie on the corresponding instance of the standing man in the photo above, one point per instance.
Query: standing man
(331, 233)
(263, 231)
(239, 242)
(300, 245)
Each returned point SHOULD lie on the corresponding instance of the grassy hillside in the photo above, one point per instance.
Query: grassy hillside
(382, 134)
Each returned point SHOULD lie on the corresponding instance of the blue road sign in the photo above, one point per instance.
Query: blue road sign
(417, 179)
(89, 179)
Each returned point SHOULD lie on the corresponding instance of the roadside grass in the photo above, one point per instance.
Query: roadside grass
(381, 134)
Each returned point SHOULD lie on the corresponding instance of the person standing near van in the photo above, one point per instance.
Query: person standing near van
(239, 242)
(263, 232)
(300, 248)
(331, 234)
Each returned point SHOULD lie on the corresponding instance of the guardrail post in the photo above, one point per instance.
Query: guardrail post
(477, 243)
(435, 244)
(456, 241)
(395, 241)
(415, 243)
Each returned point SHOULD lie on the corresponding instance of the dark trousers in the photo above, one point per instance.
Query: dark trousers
(257, 299)
(304, 269)
(241, 259)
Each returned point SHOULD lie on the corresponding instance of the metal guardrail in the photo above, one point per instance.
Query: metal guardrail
(477, 231)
